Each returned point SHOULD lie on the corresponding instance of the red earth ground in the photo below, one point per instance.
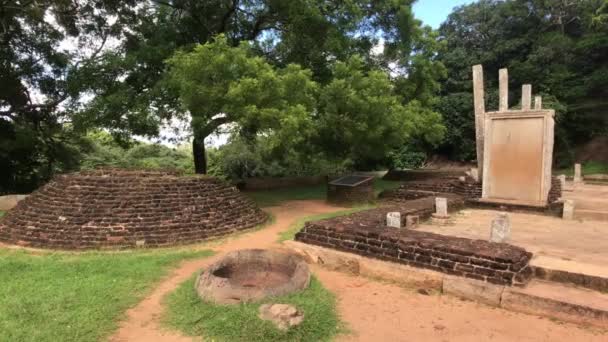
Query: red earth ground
(372, 310)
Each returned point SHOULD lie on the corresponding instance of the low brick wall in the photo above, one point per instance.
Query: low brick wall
(365, 233)
(417, 175)
(121, 209)
(343, 194)
(556, 190)
(434, 187)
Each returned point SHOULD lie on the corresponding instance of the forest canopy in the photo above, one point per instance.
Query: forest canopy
(296, 87)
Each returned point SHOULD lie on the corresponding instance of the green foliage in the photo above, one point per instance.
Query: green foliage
(295, 227)
(405, 158)
(554, 45)
(189, 314)
(75, 297)
(103, 151)
(362, 118)
(588, 168)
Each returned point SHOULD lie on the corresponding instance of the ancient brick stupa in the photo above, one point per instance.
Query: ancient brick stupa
(123, 209)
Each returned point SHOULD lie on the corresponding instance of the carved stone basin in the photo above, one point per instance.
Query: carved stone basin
(251, 275)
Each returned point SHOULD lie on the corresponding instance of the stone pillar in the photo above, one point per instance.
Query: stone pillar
(393, 219)
(578, 175)
(480, 109)
(441, 211)
(538, 102)
(503, 90)
(411, 221)
(500, 230)
(562, 181)
(568, 213)
(526, 96)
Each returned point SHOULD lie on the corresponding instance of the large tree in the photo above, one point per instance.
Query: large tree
(39, 82)
(557, 46)
(219, 84)
(130, 96)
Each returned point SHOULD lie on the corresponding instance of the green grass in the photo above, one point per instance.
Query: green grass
(187, 313)
(589, 168)
(295, 227)
(75, 297)
(268, 198)
(2, 213)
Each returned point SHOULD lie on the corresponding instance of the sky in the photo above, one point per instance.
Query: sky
(434, 12)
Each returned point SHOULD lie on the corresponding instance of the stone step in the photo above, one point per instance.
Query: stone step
(589, 214)
(599, 204)
(559, 301)
(586, 275)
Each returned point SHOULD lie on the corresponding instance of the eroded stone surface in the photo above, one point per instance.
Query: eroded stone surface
(284, 316)
(251, 275)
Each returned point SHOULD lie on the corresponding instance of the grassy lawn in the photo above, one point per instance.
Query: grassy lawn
(588, 168)
(295, 227)
(187, 313)
(267, 198)
(2, 213)
(75, 297)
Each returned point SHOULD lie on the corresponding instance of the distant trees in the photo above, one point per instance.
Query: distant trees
(558, 46)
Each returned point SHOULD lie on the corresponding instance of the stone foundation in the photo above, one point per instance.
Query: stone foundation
(122, 209)
(365, 233)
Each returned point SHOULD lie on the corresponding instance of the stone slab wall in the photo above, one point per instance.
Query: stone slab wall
(497, 263)
(122, 209)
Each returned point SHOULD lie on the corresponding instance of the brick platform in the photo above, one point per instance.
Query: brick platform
(364, 233)
(122, 209)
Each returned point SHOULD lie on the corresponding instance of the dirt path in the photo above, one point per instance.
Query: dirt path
(373, 311)
(142, 322)
(376, 311)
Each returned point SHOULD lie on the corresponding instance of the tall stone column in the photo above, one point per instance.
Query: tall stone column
(503, 90)
(480, 109)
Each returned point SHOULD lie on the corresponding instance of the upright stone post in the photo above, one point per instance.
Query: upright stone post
(503, 90)
(578, 176)
(526, 96)
(568, 213)
(480, 109)
(562, 181)
(393, 219)
(538, 102)
(501, 228)
(441, 211)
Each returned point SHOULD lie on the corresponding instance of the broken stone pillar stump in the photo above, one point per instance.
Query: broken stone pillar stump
(568, 213)
(284, 316)
(393, 219)
(440, 216)
(411, 221)
(500, 230)
(562, 181)
(578, 175)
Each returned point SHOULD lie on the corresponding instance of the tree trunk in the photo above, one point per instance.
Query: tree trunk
(200, 156)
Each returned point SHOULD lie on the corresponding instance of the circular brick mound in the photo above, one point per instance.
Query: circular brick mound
(251, 275)
(123, 209)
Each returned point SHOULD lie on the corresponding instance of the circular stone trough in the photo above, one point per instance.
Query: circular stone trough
(252, 275)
